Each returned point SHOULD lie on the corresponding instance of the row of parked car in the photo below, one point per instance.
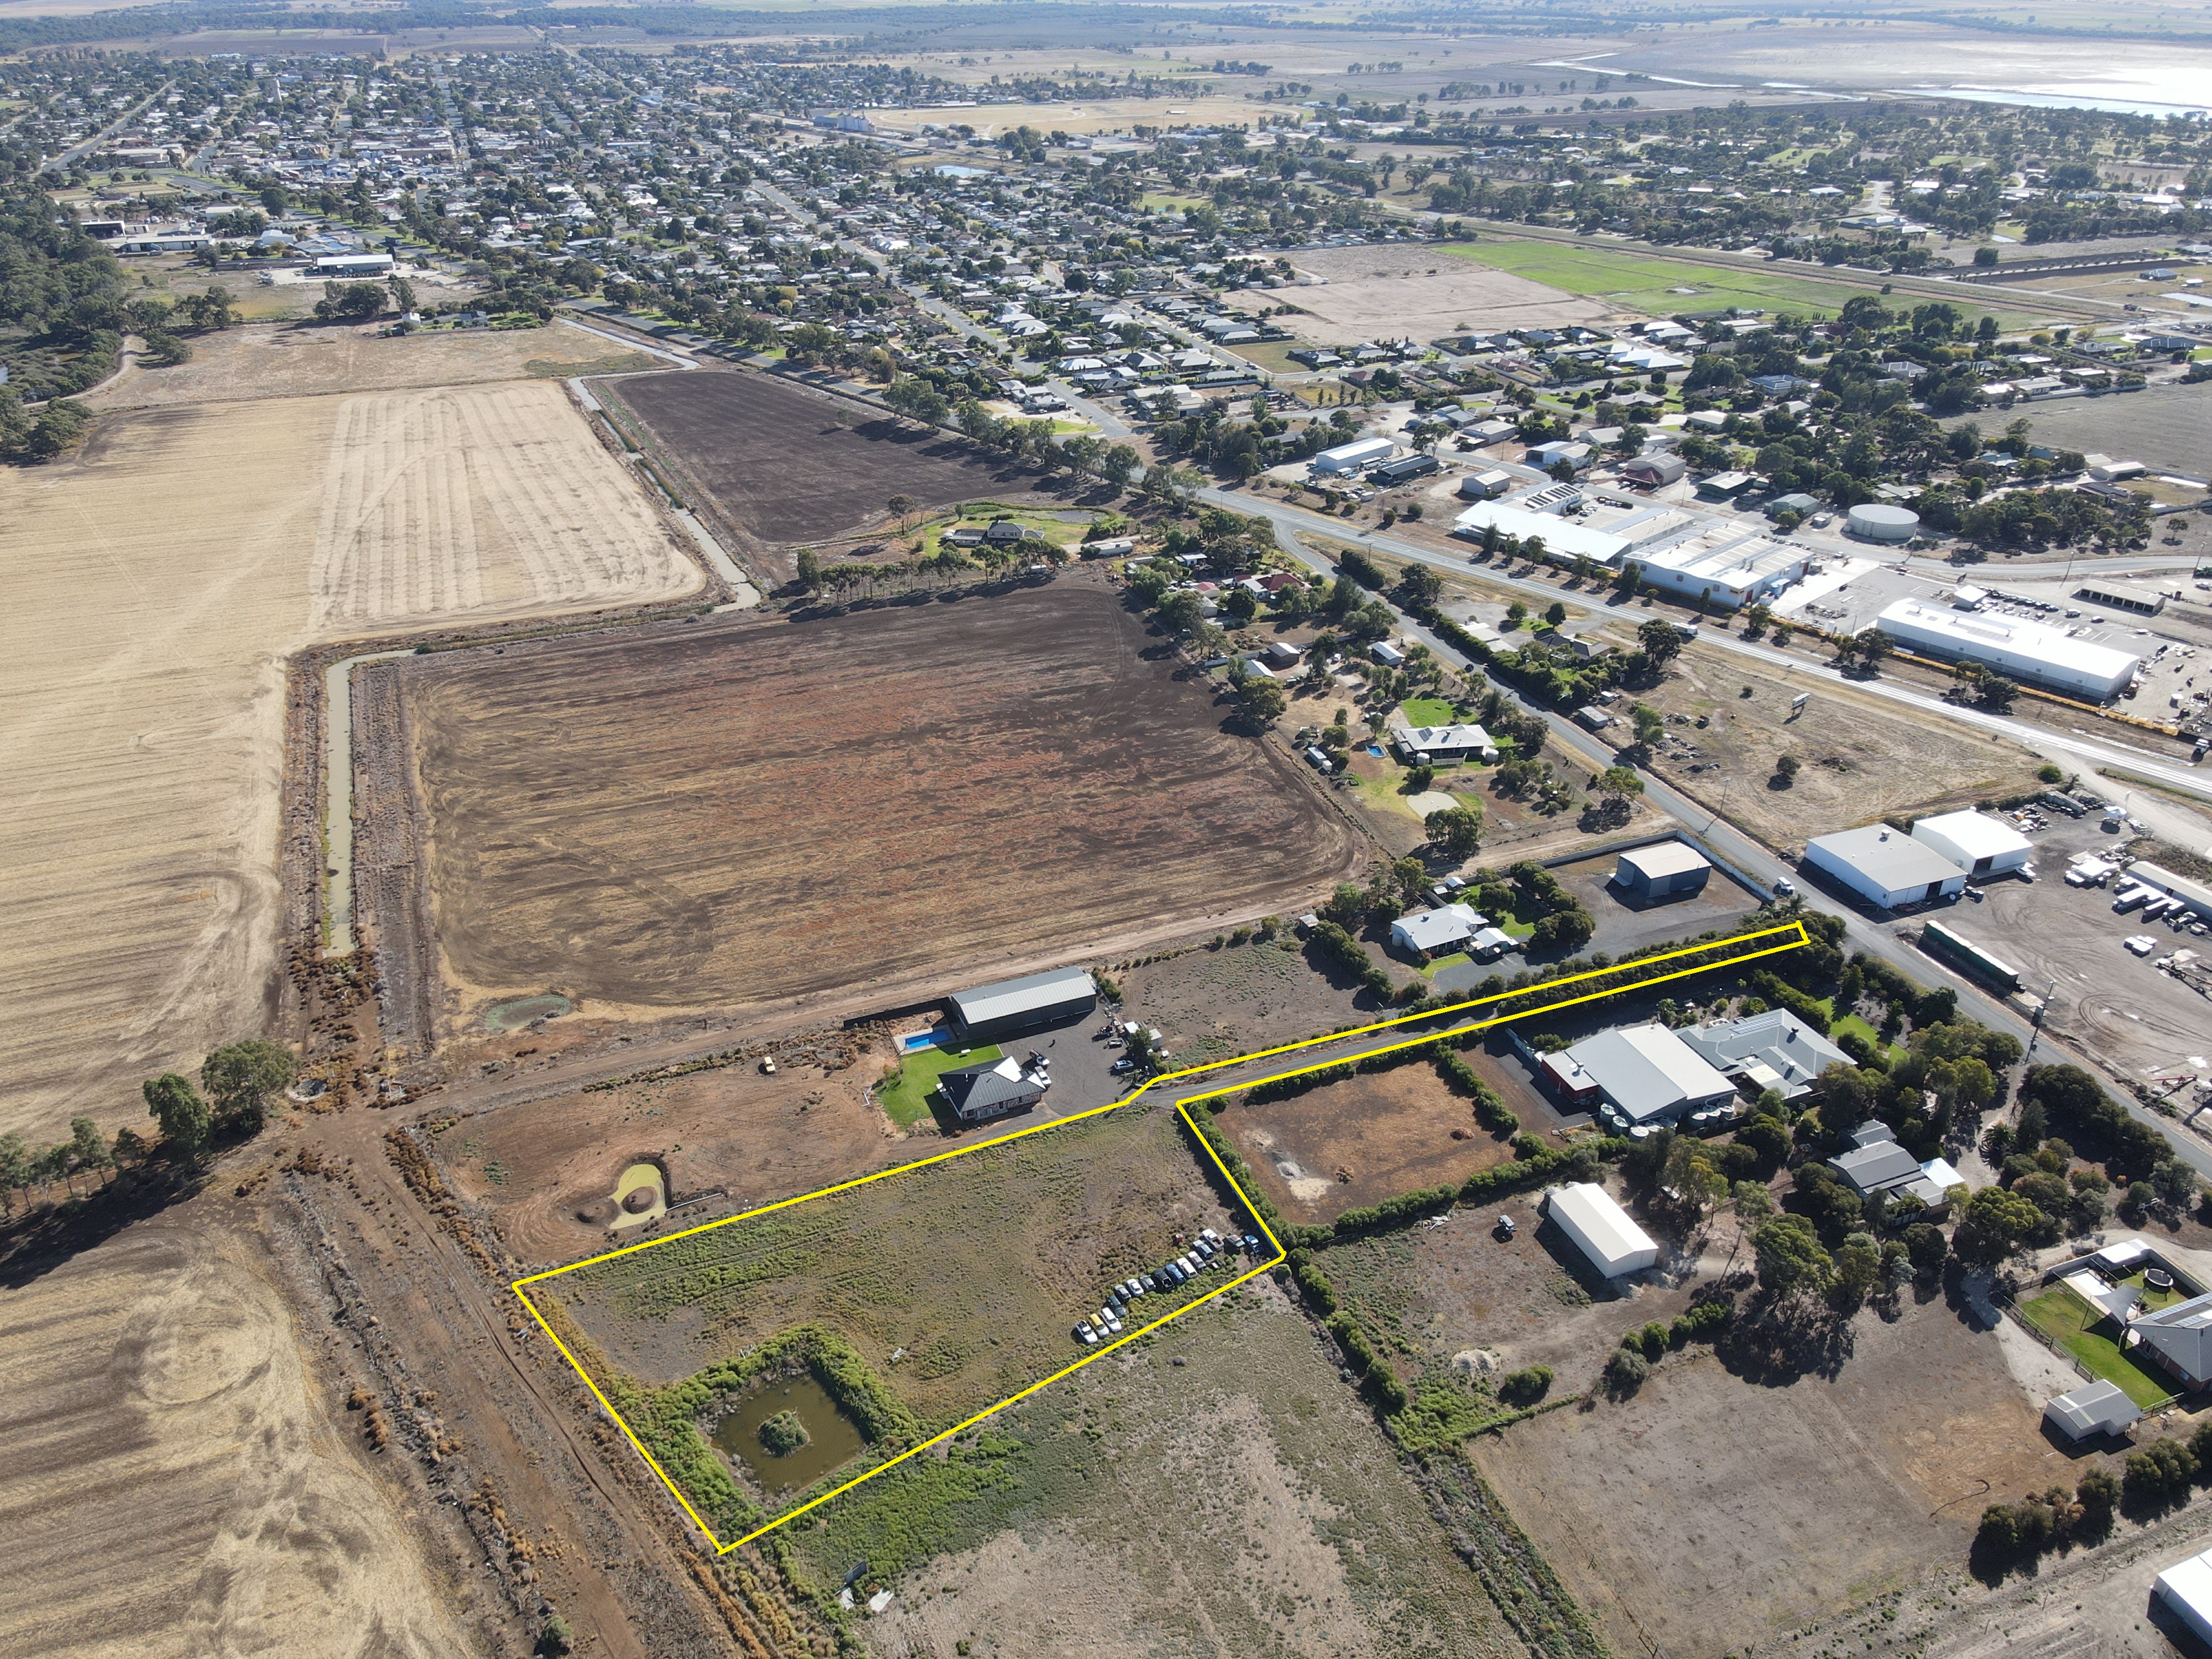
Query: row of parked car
(1107, 1321)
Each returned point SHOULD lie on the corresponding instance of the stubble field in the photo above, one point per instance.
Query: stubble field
(158, 578)
(779, 465)
(284, 361)
(179, 1482)
(742, 812)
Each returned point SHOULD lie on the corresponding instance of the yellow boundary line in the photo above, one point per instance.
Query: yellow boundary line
(1795, 939)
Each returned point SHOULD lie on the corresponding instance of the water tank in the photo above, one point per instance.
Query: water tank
(1874, 521)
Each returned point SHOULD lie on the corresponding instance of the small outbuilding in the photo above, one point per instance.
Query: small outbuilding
(1662, 870)
(1975, 841)
(1605, 1232)
(2100, 1408)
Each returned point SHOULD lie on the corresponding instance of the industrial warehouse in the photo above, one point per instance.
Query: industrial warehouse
(2033, 653)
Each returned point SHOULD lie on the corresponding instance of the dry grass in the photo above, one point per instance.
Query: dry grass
(1860, 759)
(158, 578)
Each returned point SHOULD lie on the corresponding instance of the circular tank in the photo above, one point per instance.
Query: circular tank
(1875, 522)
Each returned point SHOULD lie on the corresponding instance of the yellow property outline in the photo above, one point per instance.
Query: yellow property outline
(1797, 940)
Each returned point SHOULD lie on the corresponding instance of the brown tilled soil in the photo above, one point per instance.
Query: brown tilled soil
(745, 809)
(778, 465)
(1389, 1132)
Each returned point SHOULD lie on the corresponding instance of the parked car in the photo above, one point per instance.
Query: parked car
(1121, 1065)
(1083, 1335)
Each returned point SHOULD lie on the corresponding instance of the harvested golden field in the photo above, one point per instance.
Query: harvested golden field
(177, 1480)
(285, 359)
(158, 578)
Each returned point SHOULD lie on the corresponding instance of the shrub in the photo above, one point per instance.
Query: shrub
(783, 1434)
(1626, 1370)
(2158, 1475)
(1701, 1323)
(1650, 1341)
(1526, 1386)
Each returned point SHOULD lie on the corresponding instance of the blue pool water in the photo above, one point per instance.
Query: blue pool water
(913, 1040)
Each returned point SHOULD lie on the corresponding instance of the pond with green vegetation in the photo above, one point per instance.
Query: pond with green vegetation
(793, 1412)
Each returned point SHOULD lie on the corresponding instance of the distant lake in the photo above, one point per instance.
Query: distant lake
(831, 1439)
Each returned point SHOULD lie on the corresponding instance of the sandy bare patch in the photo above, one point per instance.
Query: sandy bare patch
(175, 1486)
(1378, 293)
(158, 578)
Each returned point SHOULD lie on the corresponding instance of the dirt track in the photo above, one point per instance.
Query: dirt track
(740, 811)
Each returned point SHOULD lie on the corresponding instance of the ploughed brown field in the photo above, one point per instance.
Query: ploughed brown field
(777, 467)
(744, 810)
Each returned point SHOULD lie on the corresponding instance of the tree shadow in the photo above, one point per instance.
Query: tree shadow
(1774, 1342)
(34, 1244)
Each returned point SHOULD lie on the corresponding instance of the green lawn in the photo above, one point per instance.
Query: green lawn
(1426, 711)
(1452, 961)
(1644, 282)
(906, 1098)
(2079, 1328)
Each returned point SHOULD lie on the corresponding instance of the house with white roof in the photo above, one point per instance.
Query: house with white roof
(1438, 932)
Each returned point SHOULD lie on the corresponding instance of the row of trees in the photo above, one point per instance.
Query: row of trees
(238, 1084)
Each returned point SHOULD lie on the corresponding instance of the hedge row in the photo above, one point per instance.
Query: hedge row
(1780, 992)
(1491, 1111)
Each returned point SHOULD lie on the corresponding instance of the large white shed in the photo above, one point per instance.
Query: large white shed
(1885, 866)
(1975, 841)
(1611, 1239)
(2186, 1588)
